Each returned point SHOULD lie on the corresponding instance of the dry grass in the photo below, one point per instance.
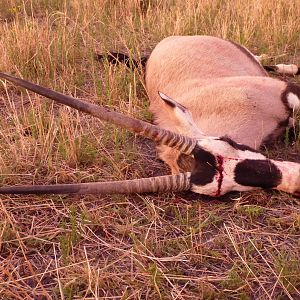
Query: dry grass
(172, 246)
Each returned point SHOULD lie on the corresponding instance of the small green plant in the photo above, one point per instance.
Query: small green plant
(72, 233)
(156, 278)
(233, 280)
(291, 222)
(87, 151)
(7, 232)
(252, 211)
(287, 267)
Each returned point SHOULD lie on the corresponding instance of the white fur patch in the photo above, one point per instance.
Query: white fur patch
(246, 154)
(293, 101)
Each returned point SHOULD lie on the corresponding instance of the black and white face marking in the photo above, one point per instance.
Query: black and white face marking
(183, 115)
(221, 166)
(290, 98)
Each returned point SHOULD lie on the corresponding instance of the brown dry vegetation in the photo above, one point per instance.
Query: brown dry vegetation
(171, 246)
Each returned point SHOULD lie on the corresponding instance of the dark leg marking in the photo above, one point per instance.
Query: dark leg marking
(290, 88)
(270, 68)
(117, 57)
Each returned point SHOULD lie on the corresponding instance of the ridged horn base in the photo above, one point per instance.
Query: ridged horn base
(182, 143)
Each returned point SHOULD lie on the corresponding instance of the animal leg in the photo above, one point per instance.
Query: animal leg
(170, 157)
(283, 69)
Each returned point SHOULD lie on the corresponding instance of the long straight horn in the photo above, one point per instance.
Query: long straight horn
(182, 143)
(160, 184)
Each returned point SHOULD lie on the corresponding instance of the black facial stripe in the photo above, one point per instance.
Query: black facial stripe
(257, 173)
(237, 146)
(205, 167)
(290, 88)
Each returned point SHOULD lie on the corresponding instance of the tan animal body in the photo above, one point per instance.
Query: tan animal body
(219, 89)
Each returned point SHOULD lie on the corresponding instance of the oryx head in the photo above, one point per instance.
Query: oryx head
(221, 165)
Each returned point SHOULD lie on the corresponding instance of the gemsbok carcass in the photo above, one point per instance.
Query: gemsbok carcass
(212, 100)
(219, 89)
(206, 85)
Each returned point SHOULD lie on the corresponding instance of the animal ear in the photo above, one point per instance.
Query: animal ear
(171, 102)
(183, 115)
